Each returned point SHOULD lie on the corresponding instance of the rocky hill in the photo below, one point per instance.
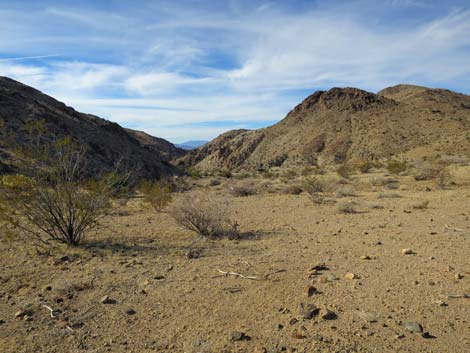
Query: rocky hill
(348, 124)
(106, 142)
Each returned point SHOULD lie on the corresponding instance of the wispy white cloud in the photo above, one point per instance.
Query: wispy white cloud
(165, 64)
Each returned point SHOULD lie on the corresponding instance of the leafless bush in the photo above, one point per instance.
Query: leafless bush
(56, 201)
(382, 181)
(316, 189)
(207, 216)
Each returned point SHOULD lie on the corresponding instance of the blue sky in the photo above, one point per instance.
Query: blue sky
(191, 69)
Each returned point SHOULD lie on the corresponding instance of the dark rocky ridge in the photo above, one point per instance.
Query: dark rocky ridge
(107, 142)
(348, 124)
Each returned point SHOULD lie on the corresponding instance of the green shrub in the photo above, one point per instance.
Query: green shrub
(396, 167)
(156, 194)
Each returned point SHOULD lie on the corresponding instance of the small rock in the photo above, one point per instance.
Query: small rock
(458, 276)
(107, 300)
(414, 327)
(27, 318)
(350, 276)
(328, 315)
(311, 291)
(131, 312)
(194, 254)
(367, 316)
(319, 267)
(440, 303)
(308, 311)
(2, 322)
(366, 257)
(22, 313)
(407, 252)
(159, 277)
(238, 336)
(47, 288)
(293, 321)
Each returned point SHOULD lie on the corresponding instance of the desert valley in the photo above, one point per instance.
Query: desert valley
(345, 227)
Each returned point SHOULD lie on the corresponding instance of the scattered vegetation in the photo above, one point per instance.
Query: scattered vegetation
(396, 167)
(292, 190)
(155, 193)
(207, 216)
(242, 190)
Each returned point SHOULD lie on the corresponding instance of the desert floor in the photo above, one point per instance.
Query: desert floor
(163, 301)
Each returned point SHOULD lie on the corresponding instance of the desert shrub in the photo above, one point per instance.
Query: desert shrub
(367, 166)
(420, 205)
(347, 207)
(242, 190)
(426, 172)
(225, 173)
(389, 195)
(56, 201)
(270, 175)
(444, 177)
(194, 173)
(290, 174)
(315, 189)
(207, 216)
(346, 191)
(156, 194)
(396, 167)
(292, 190)
(376, 206)
(382, 181)
(344, 171)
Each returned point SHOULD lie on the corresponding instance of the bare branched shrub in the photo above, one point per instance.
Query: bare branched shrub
(207, 216)
(316, 189)
(444, 177)
(157, 194)
(56, 201)
(382, 181)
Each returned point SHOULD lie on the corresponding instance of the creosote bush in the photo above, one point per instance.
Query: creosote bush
(157, 194)
(397, 167)
(56, 201)
(207, 216)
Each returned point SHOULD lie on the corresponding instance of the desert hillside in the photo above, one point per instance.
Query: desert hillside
(107, 142)
(346, 125)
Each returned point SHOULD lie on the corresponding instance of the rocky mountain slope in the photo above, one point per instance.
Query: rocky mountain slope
(106, 142)
(348, 124)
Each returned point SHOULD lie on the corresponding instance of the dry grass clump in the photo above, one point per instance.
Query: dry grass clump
(292, 190)
(397, 167)
(389, 195)
(242, 190)
(344, 171)
(347, 207)
(376, 206)
(346, 191)
(156, 194)
(420, 205)
(207, 216)
(382, 180)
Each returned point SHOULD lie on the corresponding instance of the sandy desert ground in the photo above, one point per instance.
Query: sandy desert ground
(324, 281)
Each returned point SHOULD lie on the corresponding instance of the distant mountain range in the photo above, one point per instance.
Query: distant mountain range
(106, 142)
(345, 125)
(190, 145)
